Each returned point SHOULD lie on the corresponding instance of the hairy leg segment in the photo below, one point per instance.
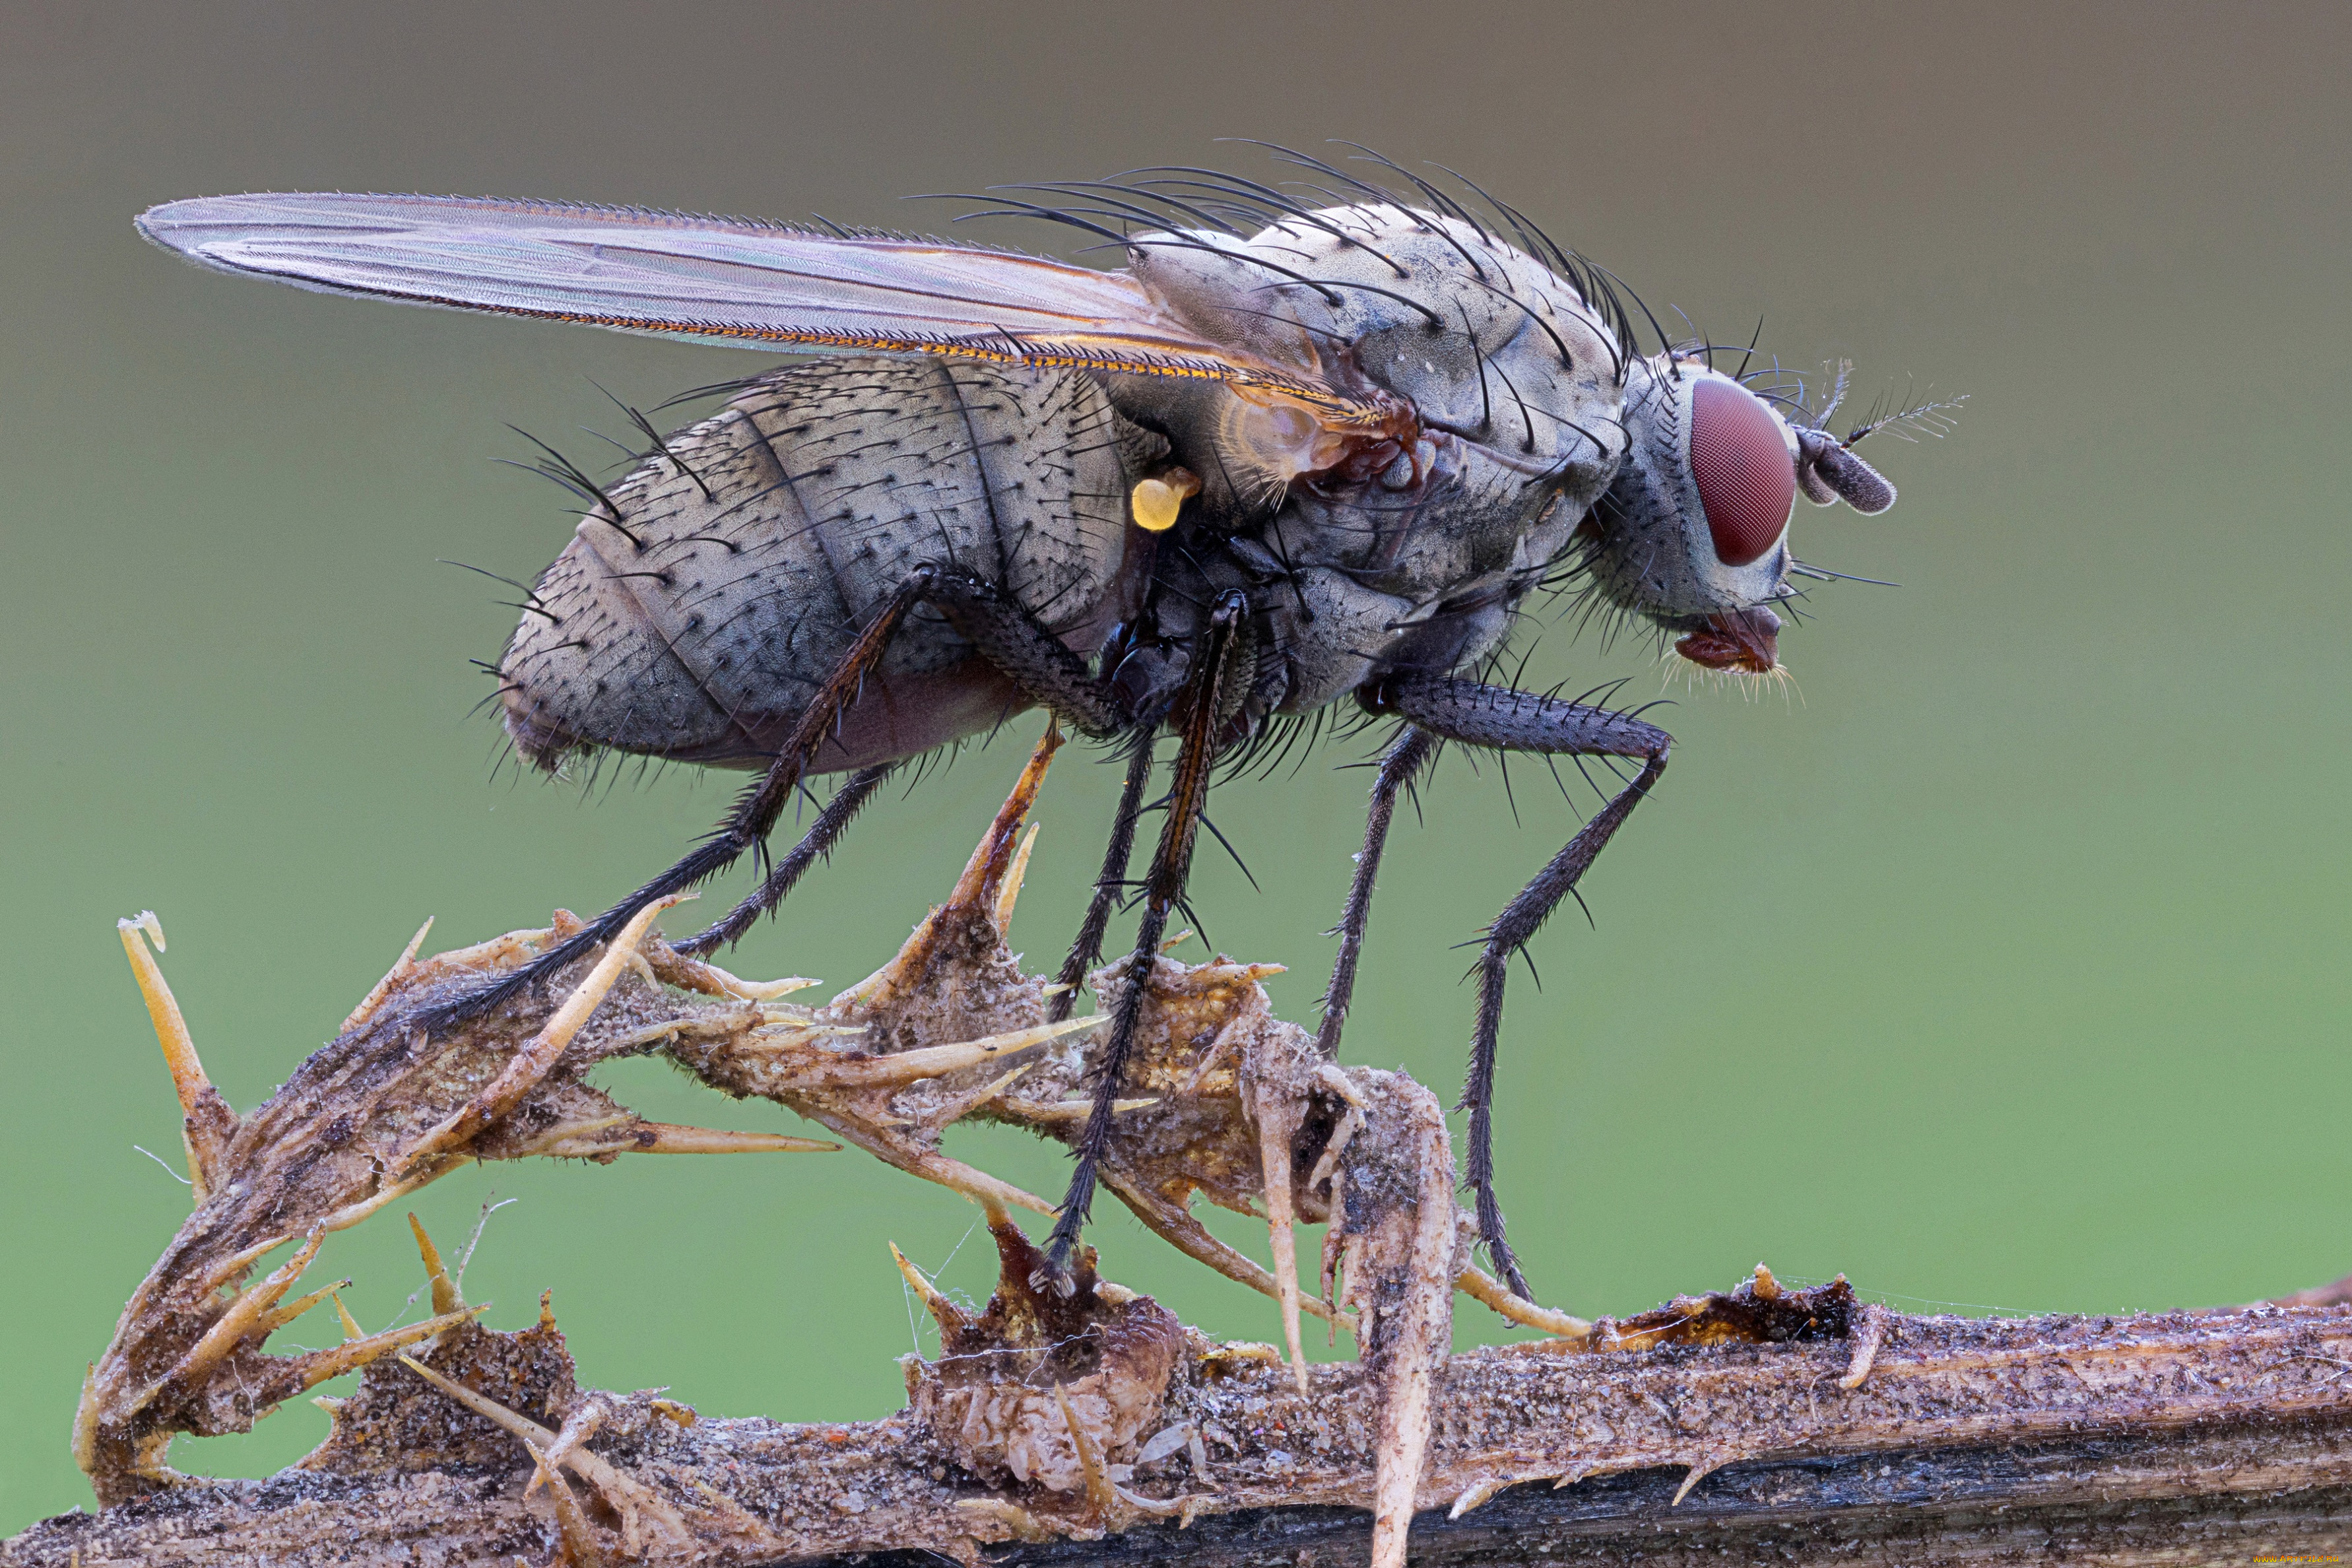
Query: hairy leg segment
(1048, 675)
(1444, 708)
(1008, 636)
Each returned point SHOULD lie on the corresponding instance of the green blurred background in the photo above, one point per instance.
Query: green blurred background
(2003, 969)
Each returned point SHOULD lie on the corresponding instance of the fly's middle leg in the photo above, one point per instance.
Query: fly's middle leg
(1201, 712)
(1478, 714)
(1086, 951)
(1399, 768)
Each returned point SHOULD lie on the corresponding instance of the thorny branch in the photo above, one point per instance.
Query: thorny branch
(1798, 1424)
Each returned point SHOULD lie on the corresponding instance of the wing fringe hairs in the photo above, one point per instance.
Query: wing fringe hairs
(1801, 1422)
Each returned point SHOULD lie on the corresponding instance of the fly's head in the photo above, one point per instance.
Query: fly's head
(1692, 535)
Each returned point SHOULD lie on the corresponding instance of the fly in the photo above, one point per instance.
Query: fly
(1291, 456)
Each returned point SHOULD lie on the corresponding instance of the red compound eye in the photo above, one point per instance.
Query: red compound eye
(1747, 480)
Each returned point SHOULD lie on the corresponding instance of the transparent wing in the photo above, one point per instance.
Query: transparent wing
(730, 279)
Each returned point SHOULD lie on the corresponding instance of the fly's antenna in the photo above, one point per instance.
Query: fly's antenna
(1912, 420)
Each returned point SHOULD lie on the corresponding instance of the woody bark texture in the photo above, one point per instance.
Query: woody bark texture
(2173, 1439)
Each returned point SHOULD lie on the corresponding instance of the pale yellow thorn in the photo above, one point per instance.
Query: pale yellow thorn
(1491, 1292)
(488, 1409)
(1098, 1490)
(756, 990)
(524, 1070)
(1867, 1347)
(578, 1427)
(671, 1138)
(1181, 1230)
(392, 976)
(328, 1402)
(1476, 1494)
(86, 1420)
(1275, 1130)
(351, 1330)
(481, 1404)
(237, 1263)
(973, 884)
(279, 1317)
(974, 1184)
(935, 1061)
(245, 1317)
(1059, 1112)
(631, 1499)
(188, 1079)
(351, 1213)
(1010, 894)
(580, 1548)
(320, 1366)
(1023, 1524)
(445, 1290)
(948, 1314)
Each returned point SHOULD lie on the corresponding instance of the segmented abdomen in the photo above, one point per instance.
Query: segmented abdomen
(700, 622)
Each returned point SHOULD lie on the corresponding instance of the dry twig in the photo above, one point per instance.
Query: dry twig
(1799, 1423)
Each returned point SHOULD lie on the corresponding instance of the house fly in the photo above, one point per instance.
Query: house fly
(1301, 452)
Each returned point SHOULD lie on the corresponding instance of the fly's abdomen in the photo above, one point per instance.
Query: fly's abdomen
(700, 622)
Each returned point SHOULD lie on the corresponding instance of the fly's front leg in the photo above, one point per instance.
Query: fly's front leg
(1497, 716)
(1399, 768)
(1203, 714)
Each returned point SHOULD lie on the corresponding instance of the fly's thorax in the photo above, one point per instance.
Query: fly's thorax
(1695, 522)
(1404, 552)
(1478, 338)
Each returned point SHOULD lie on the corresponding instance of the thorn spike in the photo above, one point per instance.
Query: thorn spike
(1019, 872)
(446, 1298)
(202, 1110)
(320, 1366)
(527, 1066)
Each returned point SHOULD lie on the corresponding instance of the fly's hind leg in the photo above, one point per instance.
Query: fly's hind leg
(1005, 634)
(1478, 714)
(815, 843)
